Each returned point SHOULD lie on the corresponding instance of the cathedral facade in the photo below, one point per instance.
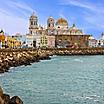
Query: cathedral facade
(62, 34)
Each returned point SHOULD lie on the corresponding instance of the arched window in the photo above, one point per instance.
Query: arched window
(35, 23)
(49, 25)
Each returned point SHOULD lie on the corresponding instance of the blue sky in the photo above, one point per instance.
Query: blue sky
(86, 14)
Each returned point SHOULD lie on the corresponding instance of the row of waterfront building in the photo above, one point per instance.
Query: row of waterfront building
(57, 34)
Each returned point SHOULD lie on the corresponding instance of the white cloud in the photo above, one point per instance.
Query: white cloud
(12, 24)
(21, 5)
(93, 13)
(95, 7)
(12, 21)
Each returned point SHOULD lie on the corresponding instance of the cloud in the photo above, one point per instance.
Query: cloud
(14, 16)
(12, 24)
(21, 5)
(92, 13)
(95, 7)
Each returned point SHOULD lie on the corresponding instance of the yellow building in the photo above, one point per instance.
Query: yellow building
(2, 39)
(13, 43)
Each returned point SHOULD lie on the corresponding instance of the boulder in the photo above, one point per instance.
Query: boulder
(6, 98)
(1, 91)
(15, 100)
(1, 100)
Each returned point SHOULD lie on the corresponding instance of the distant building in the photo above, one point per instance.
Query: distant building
(20, 37)
(47, 41)
(57, 34)
(12, 42)
(100, 42)
(92, 42)
(33, 24)
(66, 36)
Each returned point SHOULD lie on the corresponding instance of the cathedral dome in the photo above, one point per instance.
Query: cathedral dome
(51, 17)
(62, 22)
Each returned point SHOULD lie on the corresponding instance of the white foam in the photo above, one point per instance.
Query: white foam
(78, 60)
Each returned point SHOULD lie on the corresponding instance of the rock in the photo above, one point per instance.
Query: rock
(15, 100)
(1, 91)
(6, 98)
(1, 101)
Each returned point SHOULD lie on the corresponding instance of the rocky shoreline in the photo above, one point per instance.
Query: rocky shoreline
(6, 99)
(17, 57)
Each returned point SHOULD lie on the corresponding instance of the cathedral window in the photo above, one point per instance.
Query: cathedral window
(34, 23)
(49, 25)
(53, 25)
(31, 22)
(31, 32)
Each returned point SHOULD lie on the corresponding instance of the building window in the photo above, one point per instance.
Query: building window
(31, 22)
(31, 32)
(49, 25)
(45, 41)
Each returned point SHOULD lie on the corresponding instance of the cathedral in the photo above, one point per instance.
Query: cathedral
(64, 35)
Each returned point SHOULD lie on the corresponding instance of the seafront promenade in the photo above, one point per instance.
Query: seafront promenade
(17, 57)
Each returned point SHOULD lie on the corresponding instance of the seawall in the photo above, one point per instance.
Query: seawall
(17, 57)
(80, 51)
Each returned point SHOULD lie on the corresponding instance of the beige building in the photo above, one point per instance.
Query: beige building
(58, 34)
(47, 41)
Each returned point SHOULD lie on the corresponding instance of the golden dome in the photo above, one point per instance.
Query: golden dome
(61, 21)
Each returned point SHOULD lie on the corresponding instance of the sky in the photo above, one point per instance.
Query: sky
(88, 15)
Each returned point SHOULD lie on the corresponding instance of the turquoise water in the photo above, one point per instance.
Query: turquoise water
(61, 80)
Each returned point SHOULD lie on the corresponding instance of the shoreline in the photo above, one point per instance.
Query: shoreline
(17, 57)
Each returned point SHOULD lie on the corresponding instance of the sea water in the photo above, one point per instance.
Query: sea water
(61, 80)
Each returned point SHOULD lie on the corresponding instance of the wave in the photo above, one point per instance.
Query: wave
(78, 60)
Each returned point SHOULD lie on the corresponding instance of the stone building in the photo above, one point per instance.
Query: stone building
(58, 31)
(92, 42)
(65, 35)
(38, 36)
(33, 24)
(47, 41)
(73, 41)
(100, 42)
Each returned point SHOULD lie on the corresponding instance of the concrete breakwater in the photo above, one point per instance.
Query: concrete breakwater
(16, 57)
(6, 99)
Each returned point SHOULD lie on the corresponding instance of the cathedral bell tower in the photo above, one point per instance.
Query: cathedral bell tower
(50, 23)
(33, 24)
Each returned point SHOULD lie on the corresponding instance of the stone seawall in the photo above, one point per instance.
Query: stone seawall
(80, 51)
(16, 57)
